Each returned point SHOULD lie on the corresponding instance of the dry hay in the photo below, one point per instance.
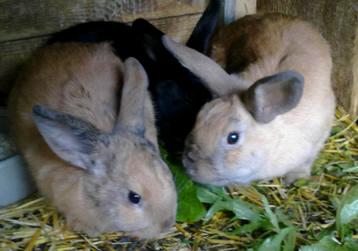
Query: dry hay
(309, 205)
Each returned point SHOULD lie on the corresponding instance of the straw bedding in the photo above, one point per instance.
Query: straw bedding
(308, 206)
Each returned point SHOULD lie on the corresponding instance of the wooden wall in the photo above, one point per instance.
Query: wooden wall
(233, 9)
(26, 24)
(338, 22)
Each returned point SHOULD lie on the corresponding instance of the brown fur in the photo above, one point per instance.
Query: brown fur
(251, 49)
(86, 81)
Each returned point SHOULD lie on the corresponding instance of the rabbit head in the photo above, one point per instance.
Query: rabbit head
(127, 184)
(232, 140)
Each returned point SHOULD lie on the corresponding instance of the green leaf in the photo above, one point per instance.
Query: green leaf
(211, 194)
(274, 243)
(241, 209)
(222, 201)
(335, 130)
(353, 169)
(272, 217)
(315, 247)
(190, 209)
(290, 242)
(327, 243)
(351, 244)
(284, 218)
(250, 227)
(348, 210)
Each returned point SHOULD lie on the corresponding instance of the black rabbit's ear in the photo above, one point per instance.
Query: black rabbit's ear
(142, 26)
(148, 38)
(205, 28)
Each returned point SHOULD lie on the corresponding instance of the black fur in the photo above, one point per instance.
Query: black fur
(177, 93)
(203, 31)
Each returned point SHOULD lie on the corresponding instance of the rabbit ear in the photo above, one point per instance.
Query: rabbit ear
(204, 29)
(141, 25)
(149, 38)
(131, 114)
(213, 76)
(274, 95)
(70, 138)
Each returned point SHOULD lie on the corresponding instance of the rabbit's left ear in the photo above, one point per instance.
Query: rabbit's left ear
(274, 95)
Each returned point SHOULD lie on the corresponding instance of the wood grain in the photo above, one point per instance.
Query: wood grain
(245, 7)
(23, 18)
(14, 53)
(338, 21)
(233, 9)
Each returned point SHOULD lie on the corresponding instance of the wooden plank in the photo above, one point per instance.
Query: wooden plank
(244, 7)
(233, 9)
(337, 20)
(179, 28)
(12, 56)
(14, 53)
(23, 18)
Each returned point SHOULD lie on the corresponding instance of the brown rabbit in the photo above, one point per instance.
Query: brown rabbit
(102, 171)
(273, 110)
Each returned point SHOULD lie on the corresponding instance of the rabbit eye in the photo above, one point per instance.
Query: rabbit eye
(134, 197)
(233, 138)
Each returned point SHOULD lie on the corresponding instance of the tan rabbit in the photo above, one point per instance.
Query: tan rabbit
(273, 111)
(102, 171)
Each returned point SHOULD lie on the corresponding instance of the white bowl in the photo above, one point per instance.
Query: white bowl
(15, 180)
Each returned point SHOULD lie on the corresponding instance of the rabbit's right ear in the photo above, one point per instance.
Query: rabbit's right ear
(205, 28)
(70, 138)
(131, 114)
